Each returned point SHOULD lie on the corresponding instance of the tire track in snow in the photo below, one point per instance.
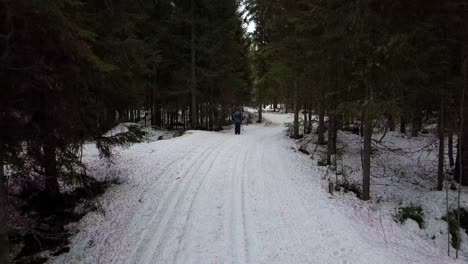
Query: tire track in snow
(129, 218)
(265, 211)
(211, 156)
(238, 229)
(151, 239)
(244, 215)
(271, 172)
(169, 165)
(176, 258)
(286, 198)
(168, 225)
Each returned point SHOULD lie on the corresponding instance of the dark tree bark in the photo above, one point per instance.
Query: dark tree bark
(402, 124)
(440, 167)
(332, 132)
(260, 105)
(260, 114)
(329, 140)
(309, 127)
(199, 116)
(462, 155)
(306, 122)
(193, 86)
(450, 149)
(464, 143)
(321, 127)
(462, 152)
(50, 167)
(336, 125)
(296, 112)
(366, 157)
(49, 142)
(154, 106)
(4, 247)
(219, 118)
(212, 117)
(416, 125)
(391, 122)
(211, 110)
(464, 160)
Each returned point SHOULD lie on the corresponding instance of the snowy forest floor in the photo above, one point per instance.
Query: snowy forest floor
(404, 174)
(208, 197)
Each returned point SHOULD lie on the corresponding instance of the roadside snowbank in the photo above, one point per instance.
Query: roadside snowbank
(404, 173)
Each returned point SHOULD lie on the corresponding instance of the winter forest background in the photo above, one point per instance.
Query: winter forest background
(376, 90)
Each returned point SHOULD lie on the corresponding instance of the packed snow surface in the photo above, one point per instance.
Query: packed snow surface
(211, 197)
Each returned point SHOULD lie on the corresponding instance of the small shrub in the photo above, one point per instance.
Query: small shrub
(454, 229)
(290, 129)
(178, 133)
(353, 187)
(104, 144)
(135, 134)
(322, 163)
(249, 118)
(410, 212)
(340, 151)
(303, 150)
(337, 188)
(352, 128)
(350, 187)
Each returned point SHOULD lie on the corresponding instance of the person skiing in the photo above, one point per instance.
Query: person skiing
(237, 118)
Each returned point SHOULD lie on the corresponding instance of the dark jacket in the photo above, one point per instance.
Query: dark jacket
(237, 117)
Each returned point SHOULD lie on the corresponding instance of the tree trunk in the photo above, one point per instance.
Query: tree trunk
(296, 112)
(330, 144)
(260, 104)
(462, 154)
(193, 86)
(4, 247)
(391, 122)
(212, 117)
(417, 123)
(155, 106)
(366, 157)
(402, 124)
(321, 127)
(183, 116)
(199, 115)
(306, 122)
(309, 127)
(50, 167)
(49, 144)
(219, 118)
(336, 124)
(440, 167)
(464, 146)
(211, 110)
(450, 149)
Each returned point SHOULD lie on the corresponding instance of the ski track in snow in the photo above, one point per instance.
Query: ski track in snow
(221, 198)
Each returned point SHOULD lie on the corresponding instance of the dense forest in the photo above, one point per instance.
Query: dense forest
(70, 70)
(358, 62)
(367, 66)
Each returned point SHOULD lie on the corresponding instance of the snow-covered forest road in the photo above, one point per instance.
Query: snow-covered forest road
(220, 198)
